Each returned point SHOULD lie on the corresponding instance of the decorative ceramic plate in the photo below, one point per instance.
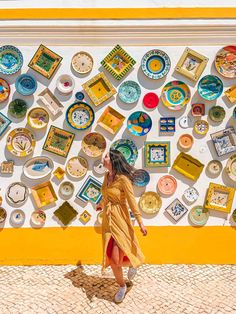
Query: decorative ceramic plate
(38, 118)
(11, 59)
(185, 122)
(82, 62)
(142, 178)
(201, 127)
(139, 123)
(217, 113)
(210, 87)
(79, 96)
(191, 194)
(77, 167)
(38, 167)
(17, 193)
(150, 202)
(17, 217)
(26, 84)
(231, 167)
(129, 92)
(127, 148)
(44, 194)
(98, 167)
(4, 90)
(65, 83)
(155, 64)
(111, 120)
(38, 217)
(175, 95)
(20, 142)
(214, 167)
(94, 144)
(3, 214)
(150, 100)
(224, 141)
(66, 189)
(198, 110)
(199, 215)
(185, 141)
(225, 61)
(18, 108)
(167, 185)
(80, 116)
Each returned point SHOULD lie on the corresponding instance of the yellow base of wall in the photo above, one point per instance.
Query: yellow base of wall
(74, 245)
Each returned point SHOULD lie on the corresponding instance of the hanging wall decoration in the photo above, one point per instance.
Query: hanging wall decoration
(51, 102)
(4, 123)
(129, 92)
(111, 120)
(224, 141)
(90, 191)
(231, 167)
(4, 90)
(175, 95)
(11, 59)
(44, 194)
(77, 167)
(94, 144)
(139, 123)
(20, 142)
(176, 210)
(26, 84)
(150, 202)
(80, 116)
(167, 125)
(65, 213)
(82, 62)
(38, 167)
(127, 148)
(188, 166)
(231, 94)
(38, 118)
(199, 215)
(210, 87)
(157, 154)
(225, 61)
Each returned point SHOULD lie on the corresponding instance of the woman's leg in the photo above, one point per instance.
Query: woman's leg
(116, 266)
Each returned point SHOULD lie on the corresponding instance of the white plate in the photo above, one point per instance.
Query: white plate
(38, 167)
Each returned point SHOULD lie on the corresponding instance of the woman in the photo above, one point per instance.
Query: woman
(120, 244)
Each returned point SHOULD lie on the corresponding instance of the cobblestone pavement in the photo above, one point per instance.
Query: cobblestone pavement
(81, 289)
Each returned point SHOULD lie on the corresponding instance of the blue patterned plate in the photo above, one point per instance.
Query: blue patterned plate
(142, 178)
(80, 116)
(11, 59)
(129, 92)
(139, 123)
(155, 64)
(127, 148)
(210, 87)
(26, 84)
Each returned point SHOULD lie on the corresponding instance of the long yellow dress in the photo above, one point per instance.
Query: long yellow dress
(116, 221)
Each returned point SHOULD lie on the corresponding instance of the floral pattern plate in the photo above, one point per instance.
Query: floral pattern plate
(150, 202)
(129, 92)
(11, 59)
(225, 61)
(38, 118)
(155, 64)
(210, 87)
(20, 142)
(80, 116)
(17, 193)
(175, 95)
(127, 148)
(139, 123)
(77, 167)
(94, 144)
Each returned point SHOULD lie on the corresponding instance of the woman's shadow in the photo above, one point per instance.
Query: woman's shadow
(95, 286)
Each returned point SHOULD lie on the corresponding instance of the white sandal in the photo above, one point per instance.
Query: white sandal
(119, 297)
(131, 273)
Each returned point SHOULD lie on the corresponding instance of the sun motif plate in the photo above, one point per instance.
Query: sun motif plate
(82, 62)
(199, 215)
(155, 64)
(38, 167)
(225, 61)
(20, 142)
(127, 148)
(175, 95)
(129, 92)
(77, 167)
(38, 118)
(80, 116)
(94, 144)
(4, 90)
(150, 202)
(139, 123)
(11, 59)
(210, 87)
(231, 167)
(142, 178)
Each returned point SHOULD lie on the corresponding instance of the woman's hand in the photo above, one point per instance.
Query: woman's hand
(143, 229)
(98, 207)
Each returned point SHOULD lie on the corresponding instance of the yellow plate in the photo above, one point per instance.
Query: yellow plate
(20, 142)
(150, 202)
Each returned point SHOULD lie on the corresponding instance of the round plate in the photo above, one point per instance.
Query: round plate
(210, 87)
(38, 118)
(66, 189)
(150, 100)
(18, 108)
(127, 148)
(231, 167)
(217, 113)
(26, 84)
(150, 202)
(17, 193)
(4, 90)
(65, 83)
(11, 59)
(175, 95)
(139, 123)
(234, 215)
(167, 184)
(38, 217)
(79, 96)
(82, 62)
(214, 167)
(80, 116)
(191, 194)
(94, 144)
(185, 141)
(199, 215)
(155, 64)
(129, 92)
(142, 178)
(201, 127)
(185, 122)
(77, 167)
(3, 214)
(20, 142)
(17, 217)
(38, 167)
(225, 61)
(98, 167)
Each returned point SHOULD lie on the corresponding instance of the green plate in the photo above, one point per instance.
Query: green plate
(217, 113)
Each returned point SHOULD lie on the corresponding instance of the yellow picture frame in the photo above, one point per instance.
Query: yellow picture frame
(111, 120)
(230, 93)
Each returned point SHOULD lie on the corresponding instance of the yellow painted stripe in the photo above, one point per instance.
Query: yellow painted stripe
(73, 245)
(114, 13)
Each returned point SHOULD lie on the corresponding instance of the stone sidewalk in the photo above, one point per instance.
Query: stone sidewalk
(81, 289)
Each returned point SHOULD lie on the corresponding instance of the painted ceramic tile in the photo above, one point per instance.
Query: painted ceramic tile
(7, 167)
(157, 154)
(90, 191)
(231, 94)
(65, 213)
(167, 124)
(188, 166)
(85, 216)
(224, 141)
(43, 194)
(176, 210)
(51, 102)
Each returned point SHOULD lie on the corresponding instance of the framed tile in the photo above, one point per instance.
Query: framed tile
(111, 120)
(58, 141)
(90, 191)
(167, 125)
(224, 141)
(44, 194)
(7, 167)
(118, 62)
(65, 213)
(85, 216)
(191, 64)
(45, 61)
(188, 166)
(99, 89)
(176, 210)
(4, 123)
(51, 102)
(157, 154)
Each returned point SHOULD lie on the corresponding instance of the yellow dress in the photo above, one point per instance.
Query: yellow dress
(116, 221)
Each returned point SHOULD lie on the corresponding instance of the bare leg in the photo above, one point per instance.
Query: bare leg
(115, 265)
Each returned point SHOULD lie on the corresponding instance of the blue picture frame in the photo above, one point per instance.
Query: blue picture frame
(4, 123)
(90, 191)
